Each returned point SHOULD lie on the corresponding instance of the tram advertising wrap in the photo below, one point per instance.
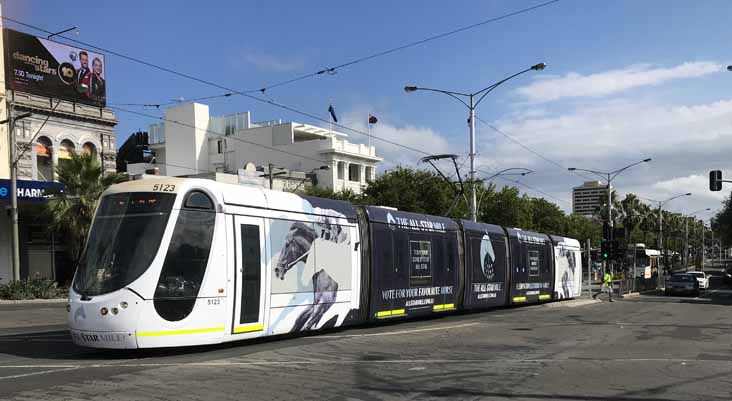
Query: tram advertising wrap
(414, 263)
(49, 68)
(182, 261)
(531, 266)
(486, 264)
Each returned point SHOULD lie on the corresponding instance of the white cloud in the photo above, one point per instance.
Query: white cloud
(416, 137)
(265, 61)
(612, 81)
(685, 142)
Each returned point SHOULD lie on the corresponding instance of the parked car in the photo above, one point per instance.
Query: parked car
(682, 284)
(702, 278)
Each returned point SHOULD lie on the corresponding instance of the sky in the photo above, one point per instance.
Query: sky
(626, 80)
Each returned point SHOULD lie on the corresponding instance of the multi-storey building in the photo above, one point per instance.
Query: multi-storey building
(189, 141)
(588, 198)
(53, 126)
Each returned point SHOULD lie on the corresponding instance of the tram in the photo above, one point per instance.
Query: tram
(182, 261)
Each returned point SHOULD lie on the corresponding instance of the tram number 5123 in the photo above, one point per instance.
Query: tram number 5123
(164, 187)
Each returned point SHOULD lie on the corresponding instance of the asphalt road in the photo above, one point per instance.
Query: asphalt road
(648, 347)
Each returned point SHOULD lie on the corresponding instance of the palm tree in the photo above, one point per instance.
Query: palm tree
(71, 210)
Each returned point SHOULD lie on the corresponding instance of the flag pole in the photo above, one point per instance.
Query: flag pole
(368, 124)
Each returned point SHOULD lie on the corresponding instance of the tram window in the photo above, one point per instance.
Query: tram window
(198, 200)
(185, 264)
(251, 273)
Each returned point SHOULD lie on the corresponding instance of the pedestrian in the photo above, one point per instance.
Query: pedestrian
(607, 286)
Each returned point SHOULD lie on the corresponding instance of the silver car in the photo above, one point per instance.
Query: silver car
(682, 284)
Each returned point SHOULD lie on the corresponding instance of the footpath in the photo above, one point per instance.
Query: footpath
(32, 314)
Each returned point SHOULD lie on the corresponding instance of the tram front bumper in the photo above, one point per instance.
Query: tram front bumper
(104, 339)
(104, 321)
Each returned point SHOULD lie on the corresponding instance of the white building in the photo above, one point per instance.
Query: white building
(589, 197)
(190, 141)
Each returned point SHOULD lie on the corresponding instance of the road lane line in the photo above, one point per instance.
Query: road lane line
(38, 373)
(59, 368)
(391, 333)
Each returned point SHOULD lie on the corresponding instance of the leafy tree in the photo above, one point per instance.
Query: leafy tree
(546, 217)
(71, 210)
(506, 208)
(413, 190)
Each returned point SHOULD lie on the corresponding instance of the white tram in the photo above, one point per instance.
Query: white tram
(176, 262)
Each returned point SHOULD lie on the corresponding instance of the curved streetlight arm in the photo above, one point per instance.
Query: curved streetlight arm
(600, 173)
(448, 93)
(495, 85)
(615, 173)
(663, 203)
(502, 173)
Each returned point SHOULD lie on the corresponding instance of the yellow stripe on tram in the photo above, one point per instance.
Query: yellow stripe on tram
(179, 332)
(519, 299)
(395, 312)
(248, 329)
(443, 307)
(544, 296)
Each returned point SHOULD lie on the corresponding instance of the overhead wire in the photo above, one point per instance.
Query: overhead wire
(319, 72)
(247, 94)
(516, 141)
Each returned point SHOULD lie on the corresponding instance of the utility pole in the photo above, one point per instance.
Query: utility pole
(589, 267)
(473, 199)
(14, 187)
(686, 243)
(471, 105)
(13, 195)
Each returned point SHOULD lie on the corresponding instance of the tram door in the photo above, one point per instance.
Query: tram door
(250, 275)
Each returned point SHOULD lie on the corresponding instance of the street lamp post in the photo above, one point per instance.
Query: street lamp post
(471, 104)
(504, 172)
(14, 188)
(659, 240)
(686, 234)
(610, 176)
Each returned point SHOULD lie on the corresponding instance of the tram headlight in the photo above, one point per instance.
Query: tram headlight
(123, 304)
(68, 307)
(115, 311)
(104, 311)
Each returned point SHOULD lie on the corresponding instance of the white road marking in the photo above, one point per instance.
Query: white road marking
(58, 368)
(391, 333)
(39, 373)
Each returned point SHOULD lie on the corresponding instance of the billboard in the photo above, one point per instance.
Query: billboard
(49, 68)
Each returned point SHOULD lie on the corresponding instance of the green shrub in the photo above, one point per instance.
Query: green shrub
(32, 288)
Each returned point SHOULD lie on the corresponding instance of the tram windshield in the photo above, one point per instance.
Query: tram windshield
(123, 240)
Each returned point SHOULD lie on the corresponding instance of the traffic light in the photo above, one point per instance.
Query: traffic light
(617, 250)
(715, 180)
(605, 250)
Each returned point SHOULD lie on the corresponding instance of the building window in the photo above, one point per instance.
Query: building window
(89, 148)
(369, 173)
(23, 130)
(220, 146)
(44, 159)
(341, 170)
(354, 172)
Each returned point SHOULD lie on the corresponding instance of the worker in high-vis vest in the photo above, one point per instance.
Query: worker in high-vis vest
(607, 286)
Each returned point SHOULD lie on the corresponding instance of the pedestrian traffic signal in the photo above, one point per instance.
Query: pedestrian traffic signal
(715, 180)
(617, 250)
(605, 250)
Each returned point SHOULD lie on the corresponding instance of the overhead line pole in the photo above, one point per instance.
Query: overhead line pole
(471, 104)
